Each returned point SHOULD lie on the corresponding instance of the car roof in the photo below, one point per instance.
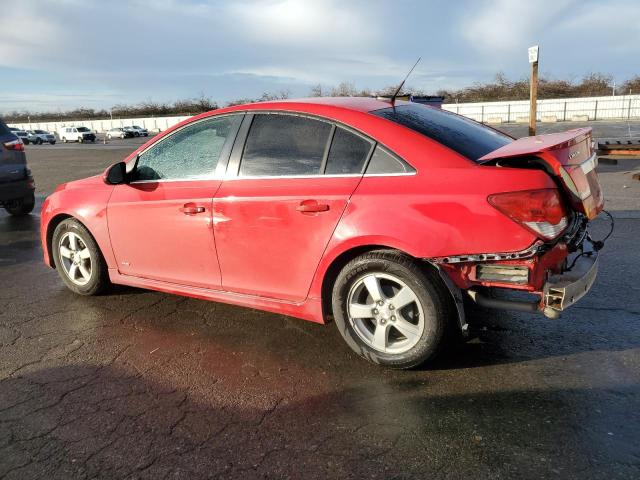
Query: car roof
(360, 104)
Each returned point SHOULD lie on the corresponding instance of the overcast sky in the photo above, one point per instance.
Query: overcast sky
(60, 54)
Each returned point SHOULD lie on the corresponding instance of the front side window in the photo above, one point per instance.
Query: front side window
(192, 152)
(462, 135)
(348, 153)
(284, 145)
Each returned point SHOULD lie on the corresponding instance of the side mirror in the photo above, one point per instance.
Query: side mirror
(116, 174)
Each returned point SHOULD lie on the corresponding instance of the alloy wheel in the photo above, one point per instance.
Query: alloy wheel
(385, 313)
(75, 258)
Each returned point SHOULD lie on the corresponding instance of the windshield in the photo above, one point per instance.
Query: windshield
(83, 129)
(462, 135)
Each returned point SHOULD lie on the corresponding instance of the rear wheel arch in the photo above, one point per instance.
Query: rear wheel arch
(338, 263)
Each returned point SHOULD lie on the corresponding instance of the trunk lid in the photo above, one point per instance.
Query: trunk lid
(567, 156)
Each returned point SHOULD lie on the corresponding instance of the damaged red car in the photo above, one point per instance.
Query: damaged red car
(382, 216)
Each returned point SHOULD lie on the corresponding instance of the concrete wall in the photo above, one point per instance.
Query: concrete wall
(620, 107)
(153, 124)
(623, 107)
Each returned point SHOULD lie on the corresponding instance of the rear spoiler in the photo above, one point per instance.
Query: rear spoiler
(538, 144)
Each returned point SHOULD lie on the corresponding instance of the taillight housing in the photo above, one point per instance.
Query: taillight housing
(539, 211)
(14, 145)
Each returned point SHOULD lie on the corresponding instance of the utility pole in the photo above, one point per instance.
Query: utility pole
(533, 92)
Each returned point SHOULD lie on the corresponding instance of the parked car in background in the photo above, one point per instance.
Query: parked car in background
(380, 215)
(138, 131)
(22, 135)
(119, 132)
(16, 183)
(40, 136)
(76, 134)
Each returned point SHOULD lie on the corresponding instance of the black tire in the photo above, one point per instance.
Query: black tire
(22, 206)
(25, 141)
(38, 141)
(433, 296)
(52, 142)
(99, 278)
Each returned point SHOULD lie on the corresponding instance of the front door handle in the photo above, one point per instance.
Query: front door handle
(312, 206)
(191, 208)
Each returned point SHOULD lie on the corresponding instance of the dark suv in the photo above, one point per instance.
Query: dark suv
(16, 183)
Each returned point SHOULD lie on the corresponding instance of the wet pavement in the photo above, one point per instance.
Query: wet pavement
(138, 384)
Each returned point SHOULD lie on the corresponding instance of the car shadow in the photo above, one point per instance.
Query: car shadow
(112, 421)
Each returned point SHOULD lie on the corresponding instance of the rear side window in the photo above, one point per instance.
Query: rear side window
(348, 153)
(384, 162)
(284, 145)
(190, 153)
(470, 139)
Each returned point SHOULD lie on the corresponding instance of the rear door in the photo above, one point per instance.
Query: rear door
(290, 183)
(160, 223)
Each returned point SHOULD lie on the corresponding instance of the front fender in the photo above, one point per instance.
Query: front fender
(86, 201)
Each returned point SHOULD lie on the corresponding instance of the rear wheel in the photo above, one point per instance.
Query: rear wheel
(389, 310)
(21, 206)
(78, 259)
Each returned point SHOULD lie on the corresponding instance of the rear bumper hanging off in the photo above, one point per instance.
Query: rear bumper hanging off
(559, 292)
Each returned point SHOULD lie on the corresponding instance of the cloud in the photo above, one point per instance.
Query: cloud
(314, 24)
(494, 27)
(102, 52)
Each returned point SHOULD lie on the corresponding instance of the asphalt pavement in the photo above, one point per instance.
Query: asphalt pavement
(140, 384)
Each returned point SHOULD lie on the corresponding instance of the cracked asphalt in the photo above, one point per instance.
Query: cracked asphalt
(139, 384)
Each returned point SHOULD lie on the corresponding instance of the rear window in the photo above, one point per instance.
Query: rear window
(470, 139)
(4, 130)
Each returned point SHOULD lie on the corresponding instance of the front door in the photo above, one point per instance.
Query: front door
(160, 223)
(274, 220)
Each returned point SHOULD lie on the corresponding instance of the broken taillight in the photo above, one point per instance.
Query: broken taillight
(540, 211)
(14, 145)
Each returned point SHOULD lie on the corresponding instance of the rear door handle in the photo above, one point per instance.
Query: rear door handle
(312, 206)
(191, 208)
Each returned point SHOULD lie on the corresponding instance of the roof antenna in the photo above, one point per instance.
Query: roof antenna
(393, 97)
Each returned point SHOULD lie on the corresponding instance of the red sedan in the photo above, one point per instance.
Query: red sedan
(381, 216)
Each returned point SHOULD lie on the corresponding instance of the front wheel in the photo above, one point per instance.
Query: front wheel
(38, 141)
(22, 206)
(389, 310)
(78, 259)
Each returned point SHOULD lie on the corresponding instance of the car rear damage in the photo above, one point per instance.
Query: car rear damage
(561, 266)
